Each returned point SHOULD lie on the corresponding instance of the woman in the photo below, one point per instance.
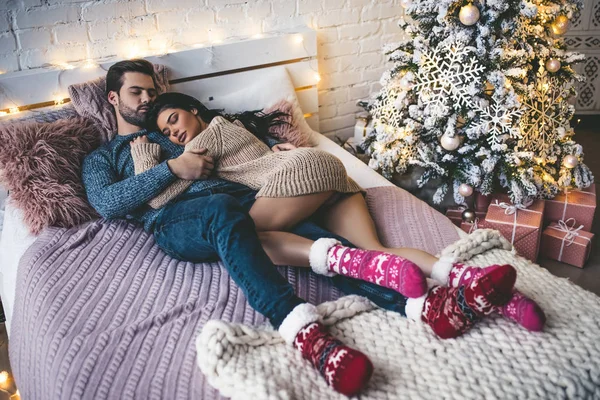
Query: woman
(185, 120)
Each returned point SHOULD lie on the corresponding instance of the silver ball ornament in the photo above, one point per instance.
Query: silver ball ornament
(450, 143)
(570, 161)
(406, 3)
(469, 215)
(469, 15)
(552, 65)
(465, 190)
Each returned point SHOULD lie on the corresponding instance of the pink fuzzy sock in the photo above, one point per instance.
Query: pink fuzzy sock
(381, 268)
(524, 312)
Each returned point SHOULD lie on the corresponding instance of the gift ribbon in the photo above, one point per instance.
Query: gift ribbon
(510, 209)
(567, 202)
(474, 226)
(568, 227)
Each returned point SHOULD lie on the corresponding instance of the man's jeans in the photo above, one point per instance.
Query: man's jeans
(215, 224)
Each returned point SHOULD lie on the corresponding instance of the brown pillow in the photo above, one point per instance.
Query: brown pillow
(40, 165)
(291, 132)
(89, 99)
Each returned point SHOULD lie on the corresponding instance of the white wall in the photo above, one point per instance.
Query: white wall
(350, 36)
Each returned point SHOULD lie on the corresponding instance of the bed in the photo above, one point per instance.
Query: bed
(97, 311)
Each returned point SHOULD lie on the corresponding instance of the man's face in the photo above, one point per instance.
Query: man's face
(134, 98)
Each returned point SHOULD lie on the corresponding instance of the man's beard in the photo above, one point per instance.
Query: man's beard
(132, 116)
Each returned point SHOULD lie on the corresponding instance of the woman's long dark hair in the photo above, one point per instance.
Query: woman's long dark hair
(256, 121)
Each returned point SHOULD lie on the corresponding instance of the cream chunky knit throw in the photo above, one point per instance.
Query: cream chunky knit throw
(497, 359)
(241, 157)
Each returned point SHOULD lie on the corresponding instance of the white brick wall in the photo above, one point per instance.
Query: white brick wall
(350, 36)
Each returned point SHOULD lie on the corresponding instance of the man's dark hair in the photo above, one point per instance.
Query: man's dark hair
(114, 76)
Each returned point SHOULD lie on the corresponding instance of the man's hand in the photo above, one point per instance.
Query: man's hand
(140, 139)
(283, 147)
(192, 165)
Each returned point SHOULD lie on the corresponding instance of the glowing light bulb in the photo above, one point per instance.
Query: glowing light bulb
(65, 65)
(299, 39)
(3, 377)
(89, 64)
(317, 77)
(198, 45)
(13, 110)
(257, 36)
(133, 52)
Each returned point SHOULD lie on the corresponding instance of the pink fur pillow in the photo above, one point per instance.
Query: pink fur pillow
(40, 165)
(289, 133)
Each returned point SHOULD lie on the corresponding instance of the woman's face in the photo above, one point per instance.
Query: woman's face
(179, 125)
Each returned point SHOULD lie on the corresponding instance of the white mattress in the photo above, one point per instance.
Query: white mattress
(16, 237)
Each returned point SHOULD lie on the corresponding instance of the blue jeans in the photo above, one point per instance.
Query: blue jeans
(215, 224)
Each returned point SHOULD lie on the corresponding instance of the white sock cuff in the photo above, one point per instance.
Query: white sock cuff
(414, 306)
(318, 255)
(302, 315)
(441, 269)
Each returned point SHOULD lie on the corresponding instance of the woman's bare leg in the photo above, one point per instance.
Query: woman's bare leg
(284, 248)
(350, 218)
(282, 213)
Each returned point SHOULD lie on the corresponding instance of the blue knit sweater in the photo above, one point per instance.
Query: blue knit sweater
(115, 191)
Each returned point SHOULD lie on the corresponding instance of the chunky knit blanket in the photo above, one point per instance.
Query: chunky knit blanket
(241, 157)
(496, 359)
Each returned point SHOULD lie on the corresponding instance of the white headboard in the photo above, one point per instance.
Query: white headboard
(211, 71)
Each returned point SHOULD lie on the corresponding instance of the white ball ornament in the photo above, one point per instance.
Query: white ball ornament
(450, 143)
(570, 161)
(406, 3)
(405, 84)
(465, 190)
(552, 65)
(469, 15)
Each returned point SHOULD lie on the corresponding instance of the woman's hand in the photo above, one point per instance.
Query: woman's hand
(283, 147)
(139, 140)
(192, 165)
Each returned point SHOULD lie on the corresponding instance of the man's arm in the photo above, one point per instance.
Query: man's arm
(115, 199)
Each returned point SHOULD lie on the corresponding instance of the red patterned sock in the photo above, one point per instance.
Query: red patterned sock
(345, 369)
(524, 312)
(488, 287)
(384, 269)
(444, 310)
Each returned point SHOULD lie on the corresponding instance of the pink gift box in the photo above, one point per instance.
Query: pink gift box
(577, 204)
(470, 227)
(482, 202)
(560, 244)
(519, 225)
(454, 214)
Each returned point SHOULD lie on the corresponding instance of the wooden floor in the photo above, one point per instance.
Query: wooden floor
(588, 135)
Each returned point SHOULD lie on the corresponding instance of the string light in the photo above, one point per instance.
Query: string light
(317, 77)
(299, 39)
(3, 113)
(258, 36)
(14, 110)
(3, 378)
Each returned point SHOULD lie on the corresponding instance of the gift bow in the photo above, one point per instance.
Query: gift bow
(510, 209)
(568, 227)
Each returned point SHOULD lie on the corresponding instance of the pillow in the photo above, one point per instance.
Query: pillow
(291, 131)
(89, 99)
(40, 164)
(271, 87)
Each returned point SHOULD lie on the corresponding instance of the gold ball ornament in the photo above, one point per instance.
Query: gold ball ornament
(450, 143)
(560, 25)
(552, 65)
(570, 161)
(465, 190)
(469, 15)
(469, 215)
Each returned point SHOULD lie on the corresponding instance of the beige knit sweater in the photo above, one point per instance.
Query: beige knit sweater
(241, 157)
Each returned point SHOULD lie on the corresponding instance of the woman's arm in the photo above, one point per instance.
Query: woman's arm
(145, 156)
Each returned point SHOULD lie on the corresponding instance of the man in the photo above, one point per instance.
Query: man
(210, 221)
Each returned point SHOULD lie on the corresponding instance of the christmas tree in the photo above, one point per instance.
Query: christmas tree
(478, 97)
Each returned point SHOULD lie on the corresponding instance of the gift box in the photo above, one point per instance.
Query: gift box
(482, 202)
(564, 243)
(577, 204)
(519, 224)
(455, 215)
(470, 227)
